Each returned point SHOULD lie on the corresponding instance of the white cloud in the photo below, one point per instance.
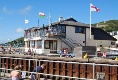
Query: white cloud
(20, 30)
(5, 10)
(25, 10)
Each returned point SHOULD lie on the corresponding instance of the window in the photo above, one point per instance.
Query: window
(46, 45)
(33, 44)
(79, 30)
(112, 43)
(39, 44)
(63, 29)
(28, 44)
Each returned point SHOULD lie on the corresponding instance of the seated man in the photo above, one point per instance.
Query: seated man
(38, 69)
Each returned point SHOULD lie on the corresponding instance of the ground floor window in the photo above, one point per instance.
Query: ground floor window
(46, 45)
(39, 44)
(51, 44)
(33, 44)
(112, 43)
(28, 44)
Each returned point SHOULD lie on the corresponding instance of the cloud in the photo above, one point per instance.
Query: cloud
(25, 10)
(5, 10)
(20, 30)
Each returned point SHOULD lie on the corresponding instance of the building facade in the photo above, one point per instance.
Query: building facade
(63, 34)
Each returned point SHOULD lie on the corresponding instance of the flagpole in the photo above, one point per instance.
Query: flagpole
(49, 20)
(90, 20)
(38, 21)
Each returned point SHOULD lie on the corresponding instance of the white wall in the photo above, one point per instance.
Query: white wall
(77, 37)
(104, 43)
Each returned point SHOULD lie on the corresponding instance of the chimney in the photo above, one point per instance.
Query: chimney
(60, 18)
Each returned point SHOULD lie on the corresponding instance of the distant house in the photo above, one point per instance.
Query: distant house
(115, 35)
(67, 33)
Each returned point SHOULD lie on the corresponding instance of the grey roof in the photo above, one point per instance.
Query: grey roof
(75, 24)
(70, 22)
(99, 34)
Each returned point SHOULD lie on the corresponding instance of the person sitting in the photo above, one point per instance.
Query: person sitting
(29, 51)
(38, 69)
(60, 53)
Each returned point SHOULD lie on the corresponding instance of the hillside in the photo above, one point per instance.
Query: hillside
(17, 41)
(108, 26)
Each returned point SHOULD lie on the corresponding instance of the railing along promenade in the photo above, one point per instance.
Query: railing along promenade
(61, 68)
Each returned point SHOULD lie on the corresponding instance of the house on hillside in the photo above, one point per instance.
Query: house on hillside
(115, 35)
(68, 34)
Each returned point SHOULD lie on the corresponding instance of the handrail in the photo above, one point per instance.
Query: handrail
(70, 40)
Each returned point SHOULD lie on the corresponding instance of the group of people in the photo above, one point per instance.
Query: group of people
(64, 52)
(30, 52)
(16, 73)
(7, 50)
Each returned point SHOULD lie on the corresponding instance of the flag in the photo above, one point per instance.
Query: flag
(116, 58)
(26, 21)
(41, 14)
(85, 56)
(94, 8)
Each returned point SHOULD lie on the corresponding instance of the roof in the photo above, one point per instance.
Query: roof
(100, 34)
(73, 22)
(70, 22)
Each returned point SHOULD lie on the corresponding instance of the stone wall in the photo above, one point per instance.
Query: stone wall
(81, 51)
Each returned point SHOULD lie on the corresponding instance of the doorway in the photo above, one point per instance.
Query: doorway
(53, 46)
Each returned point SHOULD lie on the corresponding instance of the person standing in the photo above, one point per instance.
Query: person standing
(38, 69)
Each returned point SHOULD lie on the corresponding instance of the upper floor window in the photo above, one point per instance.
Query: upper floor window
(61, 28)
(79, 30)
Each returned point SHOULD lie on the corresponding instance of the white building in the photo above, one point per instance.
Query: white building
(65, 34)
(115, 35)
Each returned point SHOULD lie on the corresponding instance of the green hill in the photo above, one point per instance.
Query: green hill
(18, 41)
(108, 26)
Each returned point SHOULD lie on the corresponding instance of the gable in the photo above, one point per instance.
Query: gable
(71, 19)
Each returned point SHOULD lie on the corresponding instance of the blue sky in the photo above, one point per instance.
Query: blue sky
(14, 12)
